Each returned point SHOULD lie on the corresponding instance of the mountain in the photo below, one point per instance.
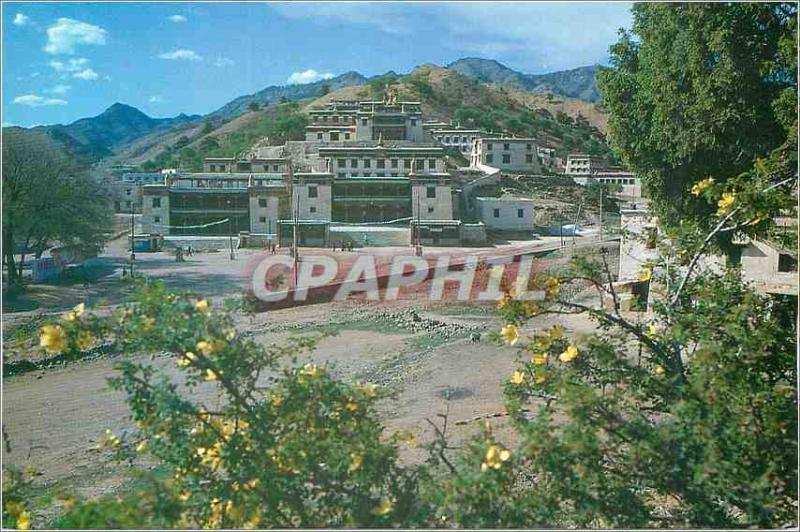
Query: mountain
(579, 83)
(101, 135)
(275, 93)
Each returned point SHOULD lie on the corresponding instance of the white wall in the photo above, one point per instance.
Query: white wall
(508, 214)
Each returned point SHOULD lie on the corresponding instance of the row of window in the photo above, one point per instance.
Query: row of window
(455, 140)
(507, 146)
(520, 213)
(381, 163)
(334, 119)
(617, 180)
(334, 136)
(243, 168)
(507, 158)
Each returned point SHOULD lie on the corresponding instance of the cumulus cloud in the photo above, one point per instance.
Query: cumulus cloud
(58, 89)
(156, 99)
(32, 100)
(223, 62)
(177, 19)
(307, 76)
(181, 55)
(73, 65)
(87, 74)
(21, 20)
(66, 34)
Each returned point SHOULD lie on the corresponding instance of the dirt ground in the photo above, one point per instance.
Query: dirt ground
(54, 417)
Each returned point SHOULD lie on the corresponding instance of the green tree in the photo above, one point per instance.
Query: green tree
(253, 106)
(700, 90)
(324, 89)
(48, 198)
(208, 127)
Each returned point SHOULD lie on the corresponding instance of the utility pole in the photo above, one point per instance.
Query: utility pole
(602, 190)
(133, 255)
(295, 253)
(575, 225)
(561, 226)
(230, 229)
(418, 246)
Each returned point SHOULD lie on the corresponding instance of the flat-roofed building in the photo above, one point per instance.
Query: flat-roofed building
(506, 213)
(245, 164)
(581, 164)
(127, 192)
(457, 138)
(214, 203)
(506, 153)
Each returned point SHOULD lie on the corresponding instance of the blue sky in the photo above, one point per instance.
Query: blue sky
(66, 61)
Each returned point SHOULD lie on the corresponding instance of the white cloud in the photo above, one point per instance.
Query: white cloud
(181, 55)
(73, 65)
(58, 89)
(87, 74)
(177, 19)
(66, 34)
(35, 74)
(307, 76)
(156, 99)
(223, 62)
(32, 100)
(9, 124)
(21, 20)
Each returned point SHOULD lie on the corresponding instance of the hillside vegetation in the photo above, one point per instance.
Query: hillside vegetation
(566, 125)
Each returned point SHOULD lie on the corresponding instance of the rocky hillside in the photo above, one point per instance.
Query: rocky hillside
(578, 83)
(564, 124)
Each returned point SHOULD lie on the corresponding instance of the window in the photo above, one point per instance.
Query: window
(787, 263)
(347, 136)
(447, 139)
(324, 118)
(262, 202)
(463, 139)
(529, 146)
(394, 163)
(212, 168)
(489, 158)
(381, 163)
(520, 213)
(432, 164)
(367, 163)
(312, 191)
(506, 146)
(341, 163)
(127, 192)
(496, 213)
(431, 192)
(413, 122)
(128, 203)
(262, 219)
(363, 121)
(342, 174)
(319, 136)
(157, 219)
(354, 163)
(334, 136)
(312, 209)
(156, 203)
(529, 158)
(430, 210)
(506, 158)
(406, 163)
(489, 146)
(275, 168)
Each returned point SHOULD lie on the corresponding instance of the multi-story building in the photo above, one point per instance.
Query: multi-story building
(457, 138)
(581, 164)
(245, 164)
(333, 123)
(127, 192)
(214, 204)
(506, 153)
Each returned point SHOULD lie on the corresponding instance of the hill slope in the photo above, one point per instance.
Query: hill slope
(566, 125)
(577, 83)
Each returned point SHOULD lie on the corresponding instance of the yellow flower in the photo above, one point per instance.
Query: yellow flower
(207, 347)
(186, 359)
(184, 496)
(211, 375)
(726, 202)
(385, 506)
(495, 456)
(253, 522)
(539, 359)
(53, 338)
(551, 287)
(310, 369)
(510, 334)
(646, 274)
(351, 407)
(517, 378)
(355, 464)
(652, 330)
(230, 335)
(148, 322)
(252, 484)
(659, 370)
(556, 332)
(84, 341)
(24, 520)
(504, 301)
(370, 390)
(277, 400)
(141, 447)
(540, 378)
(702, 186)
(202, 306)
(569, 354)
